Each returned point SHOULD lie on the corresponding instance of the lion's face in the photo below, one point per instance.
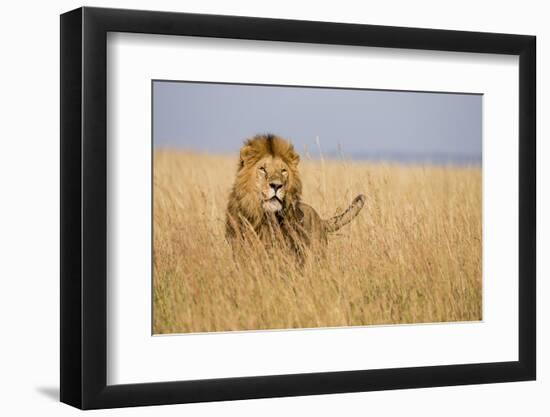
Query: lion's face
(267, 180)
(272, 178)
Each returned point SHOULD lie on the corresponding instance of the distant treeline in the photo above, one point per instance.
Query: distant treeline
(436, 158)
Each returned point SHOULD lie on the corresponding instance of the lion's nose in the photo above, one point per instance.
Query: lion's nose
(275, 185)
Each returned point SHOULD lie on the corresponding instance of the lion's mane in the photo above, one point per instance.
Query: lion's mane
(244, 204)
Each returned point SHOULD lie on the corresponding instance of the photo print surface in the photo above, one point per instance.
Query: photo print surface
(286, 207)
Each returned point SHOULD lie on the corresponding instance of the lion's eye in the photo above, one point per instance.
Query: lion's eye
(284, 172)
(263, 171)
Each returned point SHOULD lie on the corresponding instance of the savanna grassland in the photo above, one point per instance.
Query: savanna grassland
(412, 255)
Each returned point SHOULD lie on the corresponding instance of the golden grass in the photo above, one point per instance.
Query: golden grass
(413, 255)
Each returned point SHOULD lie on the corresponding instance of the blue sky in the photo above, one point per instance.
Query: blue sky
(397, 126)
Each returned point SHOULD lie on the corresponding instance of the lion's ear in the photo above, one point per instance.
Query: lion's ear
(247, 152)
(293, 157)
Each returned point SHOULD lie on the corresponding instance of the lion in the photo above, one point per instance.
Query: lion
(265, 201)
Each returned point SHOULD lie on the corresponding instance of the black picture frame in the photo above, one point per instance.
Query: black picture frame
(84, 207)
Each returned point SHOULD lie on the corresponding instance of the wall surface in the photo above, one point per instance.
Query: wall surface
(29, 219)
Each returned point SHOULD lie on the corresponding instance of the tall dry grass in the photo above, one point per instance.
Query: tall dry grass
(413, 255)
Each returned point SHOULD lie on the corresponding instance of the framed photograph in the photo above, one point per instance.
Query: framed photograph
(259, 208)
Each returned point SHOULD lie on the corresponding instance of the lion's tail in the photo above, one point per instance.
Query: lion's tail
(335, 223)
